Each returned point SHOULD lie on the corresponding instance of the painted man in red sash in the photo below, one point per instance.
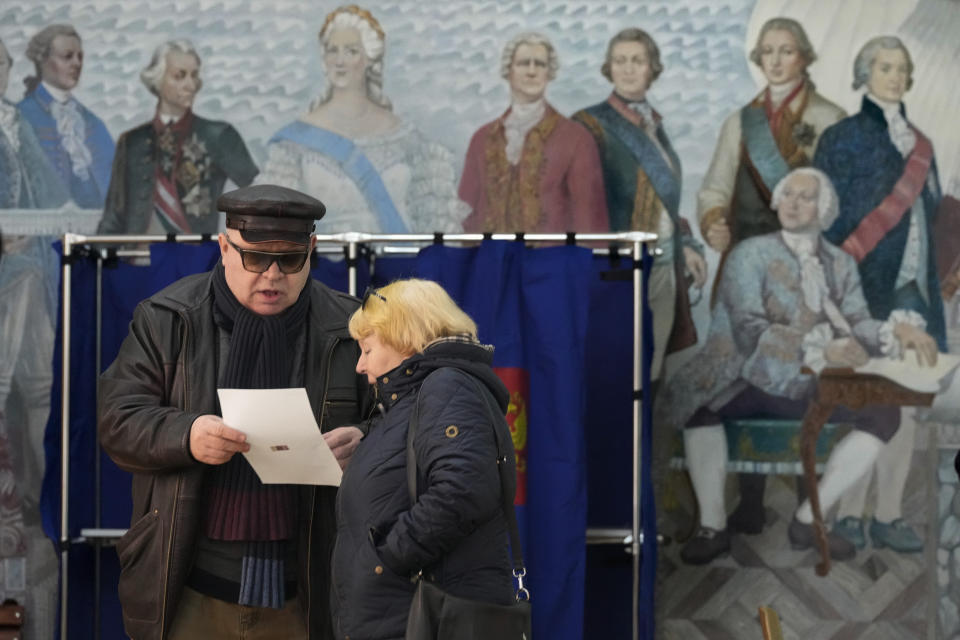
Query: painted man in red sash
(169, 172)
(885, 174)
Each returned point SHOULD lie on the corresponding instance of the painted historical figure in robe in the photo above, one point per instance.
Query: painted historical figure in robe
(885, 173)
(28, 277)
(532, 169)
(758, 145)
(169, 172)
(75, 141)
(642, 179)
(786, 299)
(27, 272)
(27, 180)
(375, 172)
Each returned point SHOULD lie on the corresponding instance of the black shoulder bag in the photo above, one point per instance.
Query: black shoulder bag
(437, 615)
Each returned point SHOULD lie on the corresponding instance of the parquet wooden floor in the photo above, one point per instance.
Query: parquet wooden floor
(879, 595)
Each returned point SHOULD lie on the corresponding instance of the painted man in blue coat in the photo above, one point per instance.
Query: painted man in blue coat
(885, 172)
(886, 229)
(169, 172)
(27, 180)
(75, 141)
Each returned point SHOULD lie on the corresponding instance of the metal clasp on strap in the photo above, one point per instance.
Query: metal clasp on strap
(522, 593)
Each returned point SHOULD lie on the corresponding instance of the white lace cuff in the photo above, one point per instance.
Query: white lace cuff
(815, 346)
(889, 345)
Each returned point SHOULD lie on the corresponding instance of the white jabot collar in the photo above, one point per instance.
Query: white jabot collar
(527, 111)
(780, 91)
(901, 135)
(801, 244)
(58, 94)
(522, 118)
(889, 108)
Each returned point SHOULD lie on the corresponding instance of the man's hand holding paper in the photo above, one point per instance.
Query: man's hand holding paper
(213, 442)
(285, 443)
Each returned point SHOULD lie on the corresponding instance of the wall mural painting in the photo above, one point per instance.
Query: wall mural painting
(532, 168)
(812, 142)
(168, 173)
(374, 171)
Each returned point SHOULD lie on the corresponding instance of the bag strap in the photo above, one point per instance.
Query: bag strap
(506, 500)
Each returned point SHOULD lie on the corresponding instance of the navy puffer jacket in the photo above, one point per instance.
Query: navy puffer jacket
(456, 532)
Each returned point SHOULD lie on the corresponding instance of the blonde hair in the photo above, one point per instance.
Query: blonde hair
(373, 41)
(407, 315)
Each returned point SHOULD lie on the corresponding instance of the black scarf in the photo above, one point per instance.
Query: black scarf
(239, 506)
(261, 347)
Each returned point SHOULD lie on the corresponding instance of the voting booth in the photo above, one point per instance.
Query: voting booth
(543, 300)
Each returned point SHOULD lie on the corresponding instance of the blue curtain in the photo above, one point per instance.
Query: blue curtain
(543, 309)
(531, 305)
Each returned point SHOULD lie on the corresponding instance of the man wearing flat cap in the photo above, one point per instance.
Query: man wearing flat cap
(211, 551)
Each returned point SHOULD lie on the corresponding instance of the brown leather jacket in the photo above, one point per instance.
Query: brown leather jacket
(164, 377)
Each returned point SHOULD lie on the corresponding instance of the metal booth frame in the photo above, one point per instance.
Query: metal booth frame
(640, 244)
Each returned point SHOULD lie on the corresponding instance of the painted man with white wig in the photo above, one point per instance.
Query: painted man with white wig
(532, 169)
(75, 141)
(885, 172)
(169, 172)
(786, 300)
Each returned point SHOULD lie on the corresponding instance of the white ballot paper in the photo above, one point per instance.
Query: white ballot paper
(286, 446)
(908, 373)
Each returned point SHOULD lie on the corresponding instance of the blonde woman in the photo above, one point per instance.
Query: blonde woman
(420, 350)
(375, 172)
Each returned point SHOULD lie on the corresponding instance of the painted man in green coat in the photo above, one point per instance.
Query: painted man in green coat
(168, 173)
(642, 179)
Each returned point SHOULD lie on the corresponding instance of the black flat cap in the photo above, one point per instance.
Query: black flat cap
(271, 213)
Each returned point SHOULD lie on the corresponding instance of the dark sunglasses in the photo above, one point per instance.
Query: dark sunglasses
(260, 261)
(370, 291)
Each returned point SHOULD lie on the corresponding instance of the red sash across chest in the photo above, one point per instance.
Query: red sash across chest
(892, 208)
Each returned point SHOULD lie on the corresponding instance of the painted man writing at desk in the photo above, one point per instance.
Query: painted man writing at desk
(786, 300)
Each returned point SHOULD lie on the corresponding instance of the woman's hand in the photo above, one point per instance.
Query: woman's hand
(845, 352)
(343, 441)
(912, 337)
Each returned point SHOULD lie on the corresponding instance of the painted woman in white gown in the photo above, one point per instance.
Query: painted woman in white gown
(374, 172)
